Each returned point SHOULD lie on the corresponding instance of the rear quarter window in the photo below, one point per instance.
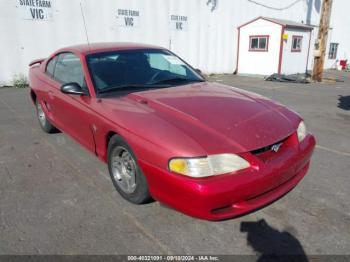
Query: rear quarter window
(50, 68)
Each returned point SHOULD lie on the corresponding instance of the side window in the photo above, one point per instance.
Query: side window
(296, 43)
(259, 43)
(69, 69)
(50, 68)
(333, 49)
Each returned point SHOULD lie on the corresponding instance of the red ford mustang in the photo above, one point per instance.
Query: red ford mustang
(208, 150)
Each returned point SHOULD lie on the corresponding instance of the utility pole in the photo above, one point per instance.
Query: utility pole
(321, 42)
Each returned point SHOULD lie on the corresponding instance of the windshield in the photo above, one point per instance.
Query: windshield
(139, 69)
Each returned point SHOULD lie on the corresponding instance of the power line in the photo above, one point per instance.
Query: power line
(275, 8)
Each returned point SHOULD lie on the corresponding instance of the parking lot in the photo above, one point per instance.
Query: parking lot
(56, 198)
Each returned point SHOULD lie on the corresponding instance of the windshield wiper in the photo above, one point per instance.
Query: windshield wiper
(175, 79)
(126, 86)
(156, 84)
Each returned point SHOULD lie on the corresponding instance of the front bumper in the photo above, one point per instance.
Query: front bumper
(231, 195)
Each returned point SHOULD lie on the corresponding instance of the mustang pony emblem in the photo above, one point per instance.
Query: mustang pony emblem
(276, 147)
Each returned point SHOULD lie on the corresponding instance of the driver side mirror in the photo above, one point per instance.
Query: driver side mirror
(72, 88)
(198, 71)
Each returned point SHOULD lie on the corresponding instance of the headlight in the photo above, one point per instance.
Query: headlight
(301, 131)
(208, 166)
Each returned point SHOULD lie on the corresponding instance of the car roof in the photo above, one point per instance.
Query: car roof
(106, 47)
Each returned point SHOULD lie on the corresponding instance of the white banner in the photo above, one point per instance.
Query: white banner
(178, 22)
(128, 18)
(35, 9)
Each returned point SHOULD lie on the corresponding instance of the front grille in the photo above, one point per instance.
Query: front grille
(267, 148)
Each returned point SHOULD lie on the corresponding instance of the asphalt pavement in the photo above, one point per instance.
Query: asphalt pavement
(57, 198)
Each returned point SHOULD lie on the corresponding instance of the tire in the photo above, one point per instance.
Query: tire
(125, 173)
(43, 121)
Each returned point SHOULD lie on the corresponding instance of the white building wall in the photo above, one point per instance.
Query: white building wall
(259, 62)
(209, 43)
(340, 32)
(25, 40)
(295, 62)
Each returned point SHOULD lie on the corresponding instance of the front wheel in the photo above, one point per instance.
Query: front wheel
(43, 121)
(125, 173)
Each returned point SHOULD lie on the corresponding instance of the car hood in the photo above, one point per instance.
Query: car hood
(221, 117)
(203, 118)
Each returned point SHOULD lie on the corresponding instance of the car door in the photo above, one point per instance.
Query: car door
(47, 89)
(72, 111)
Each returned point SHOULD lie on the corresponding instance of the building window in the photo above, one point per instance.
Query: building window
(333, 49)
(259, 43)
(296, 43)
